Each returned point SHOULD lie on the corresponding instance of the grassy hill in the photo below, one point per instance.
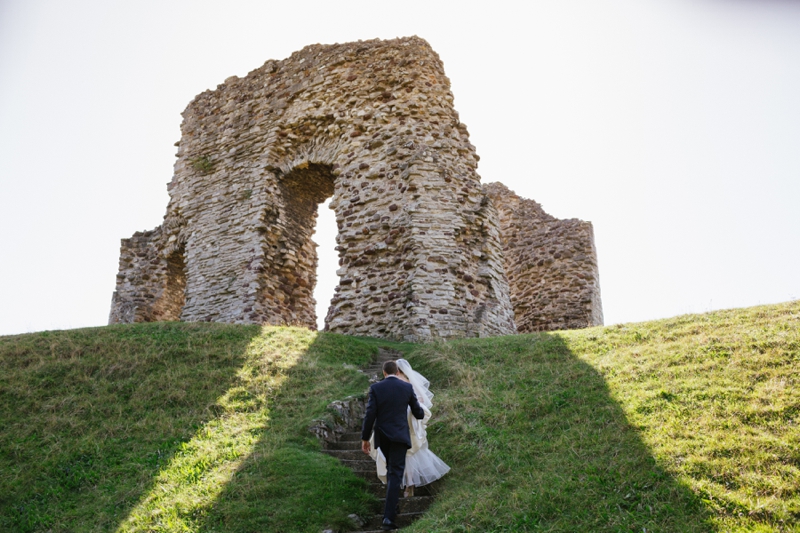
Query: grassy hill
(686, 424)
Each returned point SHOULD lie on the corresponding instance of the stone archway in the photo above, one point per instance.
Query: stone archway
(372, 124)
(302, 191)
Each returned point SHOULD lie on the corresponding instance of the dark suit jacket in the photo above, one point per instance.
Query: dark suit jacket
(387, 411)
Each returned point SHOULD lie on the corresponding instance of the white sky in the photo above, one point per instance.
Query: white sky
(672, 125)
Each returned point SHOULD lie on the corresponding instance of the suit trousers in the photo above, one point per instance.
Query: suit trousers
(395, 453)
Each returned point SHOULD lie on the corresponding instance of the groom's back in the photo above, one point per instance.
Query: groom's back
(392, 397)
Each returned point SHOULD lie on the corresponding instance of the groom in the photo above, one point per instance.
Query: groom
(386, 411)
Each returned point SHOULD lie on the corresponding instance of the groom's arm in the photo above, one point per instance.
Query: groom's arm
(369, 420)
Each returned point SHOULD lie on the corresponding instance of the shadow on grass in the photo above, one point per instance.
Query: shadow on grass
(256, 467)
(174, 427)
(537, 443)
(89, 417)
(285, 483)
(203, 427)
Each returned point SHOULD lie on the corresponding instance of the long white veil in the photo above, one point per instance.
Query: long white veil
(418, 381)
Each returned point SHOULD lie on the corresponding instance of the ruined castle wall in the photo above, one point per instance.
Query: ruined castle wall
(151, 280)
(369, 123)
(551, 265)
(138, 287)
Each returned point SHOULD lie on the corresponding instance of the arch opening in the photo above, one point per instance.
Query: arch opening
(303, 190)
(170, 305)
(327, 258)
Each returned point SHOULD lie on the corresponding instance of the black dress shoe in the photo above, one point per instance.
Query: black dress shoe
(388, 525)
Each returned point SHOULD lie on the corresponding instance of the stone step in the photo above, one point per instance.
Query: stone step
(415, 504)
(345, 445)
(348, 454)
(402, 520)
(360, 465)
(351, 436)
(379, 489)
(369, 475)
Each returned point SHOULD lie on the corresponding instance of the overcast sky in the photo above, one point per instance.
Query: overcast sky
(673, 126)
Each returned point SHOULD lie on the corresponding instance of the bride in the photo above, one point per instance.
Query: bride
(422, 465)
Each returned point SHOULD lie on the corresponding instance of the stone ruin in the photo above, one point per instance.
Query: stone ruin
(551, 265)
(424, 250)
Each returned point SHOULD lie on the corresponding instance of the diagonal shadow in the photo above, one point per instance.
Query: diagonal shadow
(256, 467)
(534, 437)
(286, 484)
(536, 442)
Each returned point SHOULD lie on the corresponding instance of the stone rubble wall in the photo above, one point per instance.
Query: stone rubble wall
(142, 294)
(342, 416)
(551, 265)
(371, 124)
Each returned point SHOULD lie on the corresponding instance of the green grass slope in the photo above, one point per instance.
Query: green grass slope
(686, 424)
(173, 427)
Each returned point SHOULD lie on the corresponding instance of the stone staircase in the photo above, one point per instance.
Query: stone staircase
(347, 448)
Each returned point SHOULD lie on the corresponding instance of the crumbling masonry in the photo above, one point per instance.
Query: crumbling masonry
(424, 251)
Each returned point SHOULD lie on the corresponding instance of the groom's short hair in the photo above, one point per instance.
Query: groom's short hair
(390, 367)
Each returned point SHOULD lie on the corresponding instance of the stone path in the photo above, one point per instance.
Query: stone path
(348, 451)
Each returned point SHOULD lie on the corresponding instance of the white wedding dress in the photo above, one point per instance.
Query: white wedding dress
(422, 465)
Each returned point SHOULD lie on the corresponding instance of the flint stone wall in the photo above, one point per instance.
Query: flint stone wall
(151, 284)
(371, 124)
(551, 265)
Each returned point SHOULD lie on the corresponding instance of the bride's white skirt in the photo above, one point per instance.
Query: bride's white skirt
(422, 467)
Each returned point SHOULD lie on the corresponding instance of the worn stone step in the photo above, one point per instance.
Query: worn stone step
(351, 436)
(379, 489)
(415, 504)
(345, 445)
(402, 520)
(369, 475)
(353, 455)
(365, 464)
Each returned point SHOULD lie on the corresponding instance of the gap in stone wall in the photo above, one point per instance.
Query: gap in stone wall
(302, 190)
(328, 260)
(174, 297)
